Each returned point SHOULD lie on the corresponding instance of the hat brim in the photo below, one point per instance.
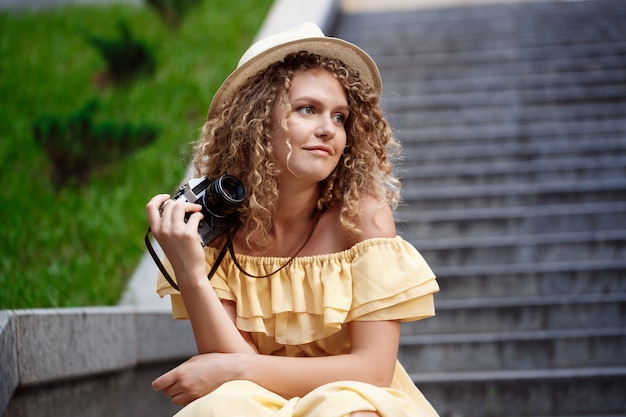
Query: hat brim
(351, 55)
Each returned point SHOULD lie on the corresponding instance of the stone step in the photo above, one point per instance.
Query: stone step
(492, 38)
(488, 43)
(495, 58)
(521, 194)
(531, 20)
(489, 221)
(102, 395)
(414, 70)
(545, 238)
(514, 313)
(541, 103)
(508, 249)
(539, 169)
(471, 164)
(528, 350)
(457, 32)
(395, 91)
(481, 44)
(485, 112)
(581, 392)
(529, 138)
(531, 279)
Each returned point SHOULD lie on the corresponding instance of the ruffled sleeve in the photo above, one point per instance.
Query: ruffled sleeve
(391, 281)
(311, 299)
(163, 288)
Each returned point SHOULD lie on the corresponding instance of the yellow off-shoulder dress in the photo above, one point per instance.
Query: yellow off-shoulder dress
(302, 311)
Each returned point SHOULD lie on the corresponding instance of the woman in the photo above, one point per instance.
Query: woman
(303, 317)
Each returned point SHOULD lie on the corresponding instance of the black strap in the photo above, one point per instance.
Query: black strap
(167, 276)
(229, 243)
(228, 246)
(156, 259)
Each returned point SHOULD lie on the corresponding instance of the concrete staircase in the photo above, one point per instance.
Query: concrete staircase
(513, 121)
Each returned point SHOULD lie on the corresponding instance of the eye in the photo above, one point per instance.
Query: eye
(305, 109)
(339, 118)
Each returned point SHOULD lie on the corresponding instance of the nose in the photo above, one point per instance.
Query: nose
(325, 128)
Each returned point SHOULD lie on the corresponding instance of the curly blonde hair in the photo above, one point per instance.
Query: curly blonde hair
(239, 142)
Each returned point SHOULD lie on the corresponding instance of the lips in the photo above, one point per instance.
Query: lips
(320, 149)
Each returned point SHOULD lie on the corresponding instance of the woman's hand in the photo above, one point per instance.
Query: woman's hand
(196, 377)
(178, 239)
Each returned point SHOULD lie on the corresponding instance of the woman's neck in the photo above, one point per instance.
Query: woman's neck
(293, 220)
(295, 204)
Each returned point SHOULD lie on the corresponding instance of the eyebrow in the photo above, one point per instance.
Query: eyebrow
(343, 108)
(318, 102)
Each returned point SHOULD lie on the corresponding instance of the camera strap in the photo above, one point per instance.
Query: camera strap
(231, 250)
(166, 274)
(228, 247)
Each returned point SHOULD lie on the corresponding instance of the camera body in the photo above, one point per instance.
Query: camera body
(220, 198)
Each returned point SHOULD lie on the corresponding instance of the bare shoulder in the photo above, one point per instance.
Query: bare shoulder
(377, 219)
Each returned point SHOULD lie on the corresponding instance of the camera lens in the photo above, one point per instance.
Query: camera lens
(224, 195)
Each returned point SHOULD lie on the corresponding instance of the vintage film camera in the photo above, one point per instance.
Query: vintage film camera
(219, 198)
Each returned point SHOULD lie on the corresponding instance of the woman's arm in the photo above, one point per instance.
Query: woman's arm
(371, 359)
(212, 323)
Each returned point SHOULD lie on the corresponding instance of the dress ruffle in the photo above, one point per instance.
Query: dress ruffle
(311, 299)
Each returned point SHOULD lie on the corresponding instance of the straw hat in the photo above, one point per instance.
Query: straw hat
(304, 37)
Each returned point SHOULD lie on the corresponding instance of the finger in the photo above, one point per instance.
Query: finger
(152, 208)
(181, 399)
(192, 207)
(175, 217)
(173, 391)
(176, 208)
(164, 381)
(194, 220)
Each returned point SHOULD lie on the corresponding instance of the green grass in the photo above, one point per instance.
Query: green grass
(78, 247)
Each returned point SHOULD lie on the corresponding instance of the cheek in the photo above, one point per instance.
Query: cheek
(342, 142)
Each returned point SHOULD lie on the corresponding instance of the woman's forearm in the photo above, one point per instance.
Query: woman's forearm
(372, 360)
(297, 376)
(213, 328)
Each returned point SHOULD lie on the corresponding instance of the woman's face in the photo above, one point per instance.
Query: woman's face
(317, 135)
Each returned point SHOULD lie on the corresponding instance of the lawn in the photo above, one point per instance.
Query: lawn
(78, 246)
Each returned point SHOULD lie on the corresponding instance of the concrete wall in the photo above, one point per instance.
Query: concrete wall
(43, 347)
